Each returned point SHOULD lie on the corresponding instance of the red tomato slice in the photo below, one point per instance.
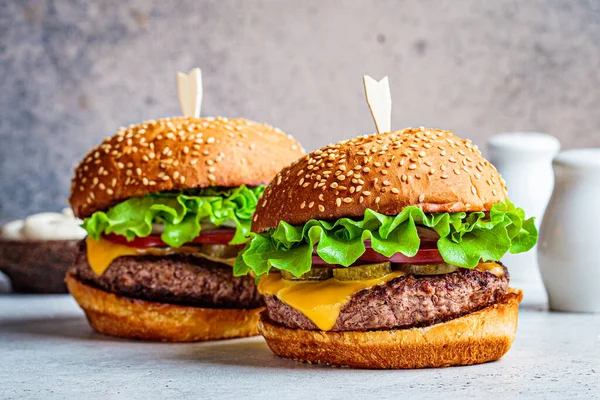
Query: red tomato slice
(217, 236)
(427, 254)
(423, 256)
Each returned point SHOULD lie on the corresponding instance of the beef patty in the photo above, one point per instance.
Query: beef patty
(406, 301)
(179, 279)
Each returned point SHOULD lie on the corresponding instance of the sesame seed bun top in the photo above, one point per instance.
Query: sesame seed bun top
(178, 154)
(428, 168)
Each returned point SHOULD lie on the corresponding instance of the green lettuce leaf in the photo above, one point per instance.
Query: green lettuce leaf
(181, 214)
(465, 239)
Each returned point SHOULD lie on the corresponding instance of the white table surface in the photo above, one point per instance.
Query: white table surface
(48, 351)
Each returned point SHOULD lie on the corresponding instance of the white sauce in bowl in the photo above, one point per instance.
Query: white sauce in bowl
(45, 226)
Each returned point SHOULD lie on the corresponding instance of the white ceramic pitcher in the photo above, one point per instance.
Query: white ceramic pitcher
(569, 246)
(524, 159)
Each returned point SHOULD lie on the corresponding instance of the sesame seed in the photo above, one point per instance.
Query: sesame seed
(109, 191)
(367, 193)
(377, 200)
(457, 171)
(338, 202)
(101, 186)
(444, 176)
(341, 177)
(361, 199)
(311, 204)
(321, 208)
(211, 177)
(395, 190)
(404, 178)
(412, 166)
(386, 183)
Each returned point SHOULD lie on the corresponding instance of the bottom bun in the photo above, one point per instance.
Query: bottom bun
(125, 317)
(475, 338)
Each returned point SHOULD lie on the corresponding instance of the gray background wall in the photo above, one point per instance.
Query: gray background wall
(71, 72)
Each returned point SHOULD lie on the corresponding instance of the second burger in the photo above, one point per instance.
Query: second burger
(166, 205)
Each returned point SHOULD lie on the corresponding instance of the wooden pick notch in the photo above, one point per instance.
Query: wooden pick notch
(189, 87)
(379, 100)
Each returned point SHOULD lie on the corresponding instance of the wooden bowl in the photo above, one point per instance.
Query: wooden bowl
(37, 266)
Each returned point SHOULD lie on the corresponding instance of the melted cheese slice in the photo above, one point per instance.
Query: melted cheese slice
(101, 253)
(491, 267)
(320, 301)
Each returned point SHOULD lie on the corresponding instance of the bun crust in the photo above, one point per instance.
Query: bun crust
(178, 154)
(428, 168)
(131, 318)
(475, 338)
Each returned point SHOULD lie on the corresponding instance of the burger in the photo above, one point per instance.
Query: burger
(383, 252)
(167, 206)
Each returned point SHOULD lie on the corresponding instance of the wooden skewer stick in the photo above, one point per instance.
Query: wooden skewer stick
(379, 100)
(189, 87)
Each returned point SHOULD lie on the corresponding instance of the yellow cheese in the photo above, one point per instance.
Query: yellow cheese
(320, 301)
(492, 268)
(101, 253)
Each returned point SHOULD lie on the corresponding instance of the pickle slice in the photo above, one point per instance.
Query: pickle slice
(219, 250)
(361, 272)
(427, 269)
(315, 274)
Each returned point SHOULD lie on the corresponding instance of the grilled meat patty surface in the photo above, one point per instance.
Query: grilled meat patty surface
(178, 279)
(407, 301)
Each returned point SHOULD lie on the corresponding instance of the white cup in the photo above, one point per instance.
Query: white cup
(569, 246)
(524, 159)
